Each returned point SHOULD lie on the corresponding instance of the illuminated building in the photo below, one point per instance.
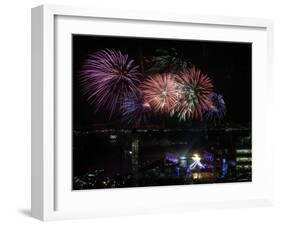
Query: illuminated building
(243, 164)
(183, 161)
(196, 162)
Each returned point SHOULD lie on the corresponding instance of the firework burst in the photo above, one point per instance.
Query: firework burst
(159, 91)
(134, 111)
(195, 90)
(107, 77)
(167, 60)
(217, 111)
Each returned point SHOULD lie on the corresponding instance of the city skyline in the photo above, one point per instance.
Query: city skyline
(157, 112)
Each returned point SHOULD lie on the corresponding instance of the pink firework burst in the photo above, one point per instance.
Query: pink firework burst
(195, 90)
(107, 77)
(159, 91)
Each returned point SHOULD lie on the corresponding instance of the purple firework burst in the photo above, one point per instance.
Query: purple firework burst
(218, 110)
(134, 111)
(107, 77)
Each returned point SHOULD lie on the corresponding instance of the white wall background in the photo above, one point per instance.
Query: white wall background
(15, 112)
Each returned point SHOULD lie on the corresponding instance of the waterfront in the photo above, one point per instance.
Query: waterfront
(158, 112)
(110, 158)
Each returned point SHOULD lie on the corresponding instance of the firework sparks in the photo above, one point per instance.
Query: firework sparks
(107, 77)
(134, 110)
(195, 90)
(217, 110)
(160, 92)
(167, 60)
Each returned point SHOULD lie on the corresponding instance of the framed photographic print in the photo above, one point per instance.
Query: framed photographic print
(138, 112)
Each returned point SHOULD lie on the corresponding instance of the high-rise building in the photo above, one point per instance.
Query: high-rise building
(243, 164)
(135, 152)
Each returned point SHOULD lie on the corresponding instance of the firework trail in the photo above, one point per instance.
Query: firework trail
(134, 111)
(195, 90)
(159, 91)
(217, 110)
(107, 77)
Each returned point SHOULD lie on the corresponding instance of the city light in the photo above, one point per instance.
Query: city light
(196, 162)
(196, 157)
(171, 157)
(208, 156)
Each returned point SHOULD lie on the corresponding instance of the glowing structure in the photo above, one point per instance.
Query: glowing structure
(208, 156)
(183, 161)
(107, 77)
(196, 162)
(160, 92)
(195, 89)
(224, 167)
(171, 157)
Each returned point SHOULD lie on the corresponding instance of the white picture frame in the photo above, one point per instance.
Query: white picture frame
(52, 197)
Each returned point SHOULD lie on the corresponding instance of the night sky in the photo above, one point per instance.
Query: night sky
(228, 65)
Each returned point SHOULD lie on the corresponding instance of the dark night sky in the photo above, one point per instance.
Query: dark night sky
(228, 64)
